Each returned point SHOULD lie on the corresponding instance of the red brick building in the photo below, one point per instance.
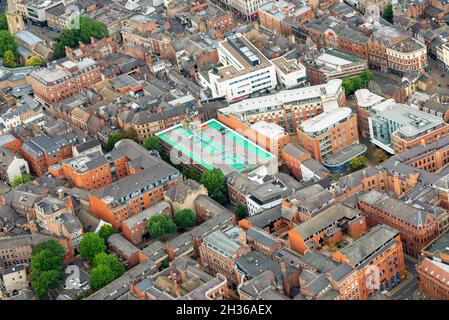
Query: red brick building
(63, 80)
(134, 228)
(41, 152)
(417, 227)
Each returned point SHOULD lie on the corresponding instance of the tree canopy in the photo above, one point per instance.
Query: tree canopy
(101, 276)
(358, 162)
(3, 22)
(185, 218)
(160, 224)
(46, 267)
(9, 59)
(7, 43)
(111, 261)
(152, 143)
(22, 179)
(70, 37)
(34, 61)
(113, 139)
(215, 182)
(353, 84)
(240, 211)
(106, 231)
(91, 244)
(387, 14)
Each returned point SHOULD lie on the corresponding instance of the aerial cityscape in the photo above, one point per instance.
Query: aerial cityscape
(224, 150)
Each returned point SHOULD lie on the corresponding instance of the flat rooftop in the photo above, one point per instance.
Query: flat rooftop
(247, 56)
(268, 129)
(213, 145)
(287, 66)
(285, 97)
(413, 122)
(60, 71)
(337, 58)
(344, 155)
(325, 120)
(367, 99)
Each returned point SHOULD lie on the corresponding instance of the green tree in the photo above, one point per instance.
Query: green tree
(101, 276)
(113, 139)
(387, 14)
(191, 173)
(358, 162)
(185, 218)
(22, 179)
(215, 182)
(34, 61)
(43, 281)
(70, 37)
(46, 267)
(353, 84)
(152, 143)
(160, 224)
(9, 59)
(106, 231)
(111, 261)
(3, 22)
(91, 244)
(52, 246)
(7, 43)
(240, 211)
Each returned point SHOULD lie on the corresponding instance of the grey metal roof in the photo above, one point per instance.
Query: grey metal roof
(360, 250)
(325, 219)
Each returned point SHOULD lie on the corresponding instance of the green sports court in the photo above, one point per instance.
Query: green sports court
(213, 145)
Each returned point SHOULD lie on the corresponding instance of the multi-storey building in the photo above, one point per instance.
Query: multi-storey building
(365, 100)
(41, 152)
(397, 127)
(433, 269)
(220, 250)
(282, 17)
(244, 9)
(89, 172)
(378, 261)
(139, 38)
(363, 5)
(141, 180)
(334, 64)
(135, 227)
(395, 52)
(245, 70)
(287, 108)
(326, 228)
(63, 80)
(57, 216)
(331, 137)
(430, 157)
(18, 249)
(292, 156)
(417, 227)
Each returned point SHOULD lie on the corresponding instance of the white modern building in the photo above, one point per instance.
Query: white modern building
(389, 117)
(287, 108)
(290, 73)
(11, 165)
(245, 70)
